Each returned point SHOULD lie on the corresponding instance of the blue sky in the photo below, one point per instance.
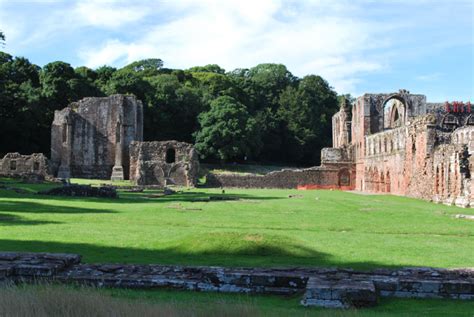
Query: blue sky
(425, 46)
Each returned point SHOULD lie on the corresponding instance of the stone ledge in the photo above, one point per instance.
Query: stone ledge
(326, 287)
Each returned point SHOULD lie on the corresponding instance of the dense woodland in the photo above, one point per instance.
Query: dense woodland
(262, 114)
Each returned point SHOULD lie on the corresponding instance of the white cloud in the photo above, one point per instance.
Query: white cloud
(342, 40)
(321, 38)
(108, 14)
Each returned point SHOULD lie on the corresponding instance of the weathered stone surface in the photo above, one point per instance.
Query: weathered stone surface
(163, 163)
(91, 137)
(339, 293)
(30, 168)
(338, 288)
(326, 177)
(388, 143)
(81, 191)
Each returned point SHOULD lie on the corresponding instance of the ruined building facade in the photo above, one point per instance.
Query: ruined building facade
(91, 138)
(401, 144)
(16, 165)
(163, 163)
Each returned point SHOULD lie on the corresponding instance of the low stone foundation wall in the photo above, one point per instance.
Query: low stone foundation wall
(321, 177)
(340, 288)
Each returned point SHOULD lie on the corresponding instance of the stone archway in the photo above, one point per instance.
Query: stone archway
(394, 112)
(344, 178)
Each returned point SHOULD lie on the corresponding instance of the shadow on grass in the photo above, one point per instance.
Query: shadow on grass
(249, 256)
(153, 197)
(40, 208)
(187, 196)
(14, 220)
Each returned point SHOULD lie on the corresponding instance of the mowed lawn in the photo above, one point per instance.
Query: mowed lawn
(261, 227)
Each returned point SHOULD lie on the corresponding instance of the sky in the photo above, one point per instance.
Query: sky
(358, 46)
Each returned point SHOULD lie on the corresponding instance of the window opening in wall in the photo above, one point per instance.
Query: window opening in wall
(117, 133)
(64, 133)
(13, 165)
(170, 155)
(36, 166)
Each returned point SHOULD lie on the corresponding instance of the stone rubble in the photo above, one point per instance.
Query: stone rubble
(81, 191)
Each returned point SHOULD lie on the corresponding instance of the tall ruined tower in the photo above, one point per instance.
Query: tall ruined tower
(91, 138)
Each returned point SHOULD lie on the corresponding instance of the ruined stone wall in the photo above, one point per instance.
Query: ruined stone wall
(163, 163)
(15, 165)
(341, 129)
(323, 287)
(90, 137)
(333, 176)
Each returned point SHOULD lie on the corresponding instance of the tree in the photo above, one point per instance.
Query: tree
(270, 80)
(307, 111)
(56, 81)
(2, 37)
(21, 116)
(173, 108)
(227, 131)
(128, 81)
(146, 67)
(211, 68)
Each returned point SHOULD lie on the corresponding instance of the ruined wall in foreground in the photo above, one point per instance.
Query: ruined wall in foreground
(323, 287)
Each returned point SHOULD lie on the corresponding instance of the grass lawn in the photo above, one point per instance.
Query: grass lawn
(262, 227)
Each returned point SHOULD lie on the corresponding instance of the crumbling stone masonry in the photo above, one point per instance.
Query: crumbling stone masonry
(336, 172)
(17, 165)
(91, 138)
(163, 163)
(389, 143)
(403, 145)
(335, 288)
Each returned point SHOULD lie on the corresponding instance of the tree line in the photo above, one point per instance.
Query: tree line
(261, 114)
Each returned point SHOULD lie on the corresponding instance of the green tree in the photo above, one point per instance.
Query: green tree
(57, 81)
(307, 111)
(146, 67)
(128, 81)
(21, 116)
(173, 109)
(211, 68)
(270, 80)
(227, 131)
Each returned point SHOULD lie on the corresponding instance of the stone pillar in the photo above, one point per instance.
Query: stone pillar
(64, 170)
(117, 170)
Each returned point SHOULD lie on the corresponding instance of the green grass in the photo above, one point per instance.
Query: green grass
(262, 227)
(290, 306)
(54, 300)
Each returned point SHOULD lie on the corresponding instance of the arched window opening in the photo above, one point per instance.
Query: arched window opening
(344, 178)
(13, 165)
(170, 155)
(393, 110)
